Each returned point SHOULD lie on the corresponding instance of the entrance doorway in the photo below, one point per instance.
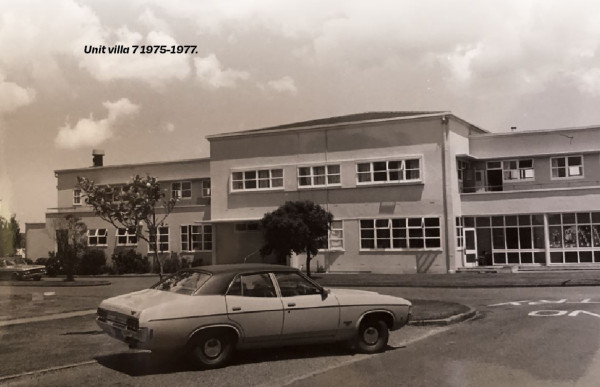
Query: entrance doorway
(470, 247)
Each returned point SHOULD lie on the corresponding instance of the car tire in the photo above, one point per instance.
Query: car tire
(373, 336)
(37, 278)
(212, 349)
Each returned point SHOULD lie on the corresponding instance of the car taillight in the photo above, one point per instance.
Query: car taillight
(101, 314)
(133, 324)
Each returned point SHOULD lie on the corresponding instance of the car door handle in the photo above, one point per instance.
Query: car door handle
(292, 304)
(236, 308)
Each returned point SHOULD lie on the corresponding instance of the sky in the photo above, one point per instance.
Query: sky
(496, 64)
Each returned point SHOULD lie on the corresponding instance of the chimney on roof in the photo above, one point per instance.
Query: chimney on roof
(513, 128)
(97, 157)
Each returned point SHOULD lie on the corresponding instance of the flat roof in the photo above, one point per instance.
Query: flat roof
(350, 119)
(131, 165)
(536, 131)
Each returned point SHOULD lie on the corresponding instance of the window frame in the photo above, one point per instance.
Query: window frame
(257, 179)
(521, 171)
(206, 188)
(313, 175)
(128, 236)
(98, 233)
(245, 227)
(329, 237)
(388, 171)
(566, 167)
(178, 193)
(402, 229)
(203, 241)
(77, 198)
(159, 234)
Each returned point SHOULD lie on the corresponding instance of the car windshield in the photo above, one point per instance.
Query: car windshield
(183, 282)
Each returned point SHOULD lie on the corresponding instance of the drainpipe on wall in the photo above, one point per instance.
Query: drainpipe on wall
(445, 127)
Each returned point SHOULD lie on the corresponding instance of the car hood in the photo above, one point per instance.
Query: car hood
(133, 303)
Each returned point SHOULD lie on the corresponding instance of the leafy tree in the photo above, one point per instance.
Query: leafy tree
(10, 236)
(297, 227)
(140, 202)
(71, 240)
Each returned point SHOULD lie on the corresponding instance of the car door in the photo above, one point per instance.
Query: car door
(308, 313)
(252, 303)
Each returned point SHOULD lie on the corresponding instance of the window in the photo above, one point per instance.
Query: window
(319, 175)
(461, 167)
(566, 167)
(460, 238)
(181, 190)
(163, 239)
(263, 179)
(400, 233)
(206, 188)
(97, 237)
(183, 282)
(126, 237)
(76, 197)
(252, 285)
(388, 171)
(196, 237)
(335, 237)
(247, 227)
(518, 169)
(293, 284)
(574, 237)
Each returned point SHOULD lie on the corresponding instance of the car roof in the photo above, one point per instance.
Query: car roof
(222, 275)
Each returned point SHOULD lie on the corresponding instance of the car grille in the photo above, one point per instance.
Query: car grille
(120, 319)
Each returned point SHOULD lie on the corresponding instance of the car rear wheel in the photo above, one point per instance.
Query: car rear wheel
(373, 336)
(212, 349)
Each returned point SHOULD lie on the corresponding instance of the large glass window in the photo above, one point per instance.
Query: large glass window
(263, 179)
(566, 167)
(400, 233)
(319, 175)
(196, 237)
(388, 171)
(574, 237)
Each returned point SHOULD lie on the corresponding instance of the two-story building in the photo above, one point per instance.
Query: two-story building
(411, 192)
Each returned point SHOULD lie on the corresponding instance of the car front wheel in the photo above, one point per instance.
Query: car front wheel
(212, 349)
(373, 336)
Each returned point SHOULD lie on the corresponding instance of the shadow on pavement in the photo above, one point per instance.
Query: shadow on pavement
(146, 363)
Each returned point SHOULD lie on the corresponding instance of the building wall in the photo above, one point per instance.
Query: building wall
(39, 241)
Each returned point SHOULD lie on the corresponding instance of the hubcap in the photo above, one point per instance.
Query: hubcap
(371, 335)
(212, 348)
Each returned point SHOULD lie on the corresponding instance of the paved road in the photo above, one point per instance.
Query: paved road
(536, 336)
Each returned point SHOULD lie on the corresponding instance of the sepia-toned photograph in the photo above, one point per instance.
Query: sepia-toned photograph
(300, 193)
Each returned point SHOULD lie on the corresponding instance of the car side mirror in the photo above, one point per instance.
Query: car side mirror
(325, 292)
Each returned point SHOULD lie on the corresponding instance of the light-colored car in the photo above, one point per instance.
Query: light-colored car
(16, 268)
(210, 311)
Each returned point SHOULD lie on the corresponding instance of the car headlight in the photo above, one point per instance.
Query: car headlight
(101, 314)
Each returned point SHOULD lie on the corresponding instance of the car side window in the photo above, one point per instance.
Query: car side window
(293, 284)
(252, 285)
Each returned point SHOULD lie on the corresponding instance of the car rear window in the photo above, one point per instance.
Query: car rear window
(183, 282)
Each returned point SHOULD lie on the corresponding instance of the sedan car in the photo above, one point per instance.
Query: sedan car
(16, 268)
(209, 311)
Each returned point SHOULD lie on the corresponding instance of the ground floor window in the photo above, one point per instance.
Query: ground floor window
(126, 237)
(97, 237)
(574, 237)
(400, 233)
(197, 237)
(162, 233)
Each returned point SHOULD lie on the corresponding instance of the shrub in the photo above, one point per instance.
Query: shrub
(130, 262)
(92, 262)
(171, 264)
(53, 267)
(197, 262)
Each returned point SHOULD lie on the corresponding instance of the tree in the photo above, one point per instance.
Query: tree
(297, 227)
(71, 240)
(140, 202)
(10, 236)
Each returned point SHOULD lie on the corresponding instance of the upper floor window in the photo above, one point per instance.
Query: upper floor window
(181, 190)
(162, 233)
(262, 179)
(565, 167)
(126, 237)
(77, 197)
(196, 237)
(247, 227)
(400, 233)
(206, 188)
(319, 175)
(97, 237)
(461, 167)
(518, 169)
(388, 171)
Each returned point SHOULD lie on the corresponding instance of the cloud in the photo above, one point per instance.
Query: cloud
(283, 85)
(168, 127)
(13, 96)
(90, 132)
(211, 75)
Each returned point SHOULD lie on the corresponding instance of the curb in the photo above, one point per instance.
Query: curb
(457, 318)
(55, 284)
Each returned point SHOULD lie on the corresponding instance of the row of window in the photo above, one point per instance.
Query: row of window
(197, 237)
(329, 175)
(522, 169)
(179, 189)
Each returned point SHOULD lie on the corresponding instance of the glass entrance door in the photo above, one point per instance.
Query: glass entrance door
(470, 247)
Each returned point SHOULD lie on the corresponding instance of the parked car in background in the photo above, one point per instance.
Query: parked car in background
(16, 268)
(209, 311)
